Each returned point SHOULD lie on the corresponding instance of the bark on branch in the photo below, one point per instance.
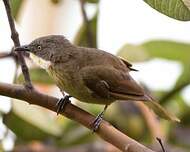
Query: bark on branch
(105, 131)
(15, 38)
(5, 55)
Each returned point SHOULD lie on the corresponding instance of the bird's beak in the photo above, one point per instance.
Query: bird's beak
(22, 48)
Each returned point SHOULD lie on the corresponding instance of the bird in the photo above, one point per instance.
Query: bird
(90, 75)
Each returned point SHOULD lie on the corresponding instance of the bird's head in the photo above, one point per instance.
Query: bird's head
(43, 49)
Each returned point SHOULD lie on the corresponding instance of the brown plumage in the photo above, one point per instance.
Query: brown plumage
(88, 74)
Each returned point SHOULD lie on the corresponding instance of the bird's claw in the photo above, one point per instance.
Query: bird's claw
(62, 103)
(96, 123)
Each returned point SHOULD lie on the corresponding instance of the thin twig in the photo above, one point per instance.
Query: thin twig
(5, 55)
(162, 146)
(105, 131)
(87, 24)
(15, 38)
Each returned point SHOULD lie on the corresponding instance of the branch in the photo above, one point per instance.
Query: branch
(5, 55)
(87, 23)
(15, 38)
(151, 121)
(105, 131)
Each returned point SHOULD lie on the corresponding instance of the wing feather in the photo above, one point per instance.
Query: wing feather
(119, 82)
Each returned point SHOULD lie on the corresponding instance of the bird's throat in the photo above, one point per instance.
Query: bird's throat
(40, 62)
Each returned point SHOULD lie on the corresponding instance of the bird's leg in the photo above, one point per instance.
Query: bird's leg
(97, 121)
(62, 103)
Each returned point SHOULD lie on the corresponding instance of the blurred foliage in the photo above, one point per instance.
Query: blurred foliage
(126, 117)
(174, 51)
(177, 9)
(39, 124)
(157, 49)
(179, 135)
(15, 7)
(37, 75)
(169, 50)
(36, 123)
(184, 110)
(24, 130)
(81, 37)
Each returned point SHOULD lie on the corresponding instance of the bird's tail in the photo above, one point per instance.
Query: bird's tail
(150, 102)
(160, 111)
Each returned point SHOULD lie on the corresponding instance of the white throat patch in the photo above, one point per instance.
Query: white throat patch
(40, 62)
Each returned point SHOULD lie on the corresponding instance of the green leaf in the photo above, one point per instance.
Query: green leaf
(37, 75)
(185, 76)
(15, 7)
(183, 110)
(157, 49)
(162, 49)
(133, 53)
(181, 83)
(81, 37)
(168, 49)
(177, 9)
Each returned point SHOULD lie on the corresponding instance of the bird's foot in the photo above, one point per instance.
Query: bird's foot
(96, 123)
(62, 103)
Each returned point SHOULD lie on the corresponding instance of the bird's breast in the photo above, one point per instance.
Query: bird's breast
(73, 85)
(40, 62)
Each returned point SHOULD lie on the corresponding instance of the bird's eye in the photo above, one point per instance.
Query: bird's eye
(39, 47)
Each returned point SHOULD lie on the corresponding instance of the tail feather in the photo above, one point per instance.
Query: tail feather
(160, 111)
(150, 102)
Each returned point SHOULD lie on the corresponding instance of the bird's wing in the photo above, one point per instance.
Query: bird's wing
(111, 83)
(118, 84)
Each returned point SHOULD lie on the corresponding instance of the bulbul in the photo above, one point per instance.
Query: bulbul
(89, 74)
